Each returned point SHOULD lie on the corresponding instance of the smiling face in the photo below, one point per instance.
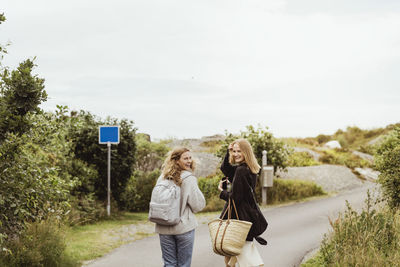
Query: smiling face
(237, 154)
(185, 161)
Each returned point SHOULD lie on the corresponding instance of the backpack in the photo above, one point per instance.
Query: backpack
(165, 202)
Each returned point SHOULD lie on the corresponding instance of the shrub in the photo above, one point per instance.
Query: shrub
(86, 209)
(288, 190)
(137, 193)
(41, 244)
(368, 238)
(209, 187)
(301, 159)
(343, 157)
(323, 138)
(30, 187)
(388, 163)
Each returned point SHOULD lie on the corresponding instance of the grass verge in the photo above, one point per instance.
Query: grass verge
(87, 242)
(367, 238)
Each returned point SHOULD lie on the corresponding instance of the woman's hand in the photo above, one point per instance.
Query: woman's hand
(220, 185)
(230, 147)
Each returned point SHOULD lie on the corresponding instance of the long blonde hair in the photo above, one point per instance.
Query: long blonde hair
(248, 154)
(171, 169)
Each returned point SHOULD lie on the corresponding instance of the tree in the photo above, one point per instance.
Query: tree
(86, 147)
(260, 139)
(21, 93)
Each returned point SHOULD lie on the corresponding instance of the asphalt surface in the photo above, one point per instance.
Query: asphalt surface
(293, 231)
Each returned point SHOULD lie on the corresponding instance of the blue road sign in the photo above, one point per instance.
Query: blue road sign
(108, 134)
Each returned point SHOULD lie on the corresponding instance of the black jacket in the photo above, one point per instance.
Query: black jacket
(242, 179)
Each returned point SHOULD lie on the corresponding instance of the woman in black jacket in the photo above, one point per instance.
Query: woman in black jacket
(241, 168)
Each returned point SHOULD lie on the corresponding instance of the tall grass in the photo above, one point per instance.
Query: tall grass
(40, 244)
(301, 159)
(343, 157)
(368, 238)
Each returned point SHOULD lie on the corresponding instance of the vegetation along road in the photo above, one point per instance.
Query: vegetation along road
(294, 230)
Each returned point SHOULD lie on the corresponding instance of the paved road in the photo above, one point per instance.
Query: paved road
(293, 231)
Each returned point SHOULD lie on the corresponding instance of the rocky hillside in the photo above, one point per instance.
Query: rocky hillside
(332, 178)
(206, 161)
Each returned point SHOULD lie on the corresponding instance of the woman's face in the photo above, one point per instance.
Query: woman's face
(185, 161)
(237, 154)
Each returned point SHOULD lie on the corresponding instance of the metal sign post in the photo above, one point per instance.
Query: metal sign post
(108, 135)
(108, 178)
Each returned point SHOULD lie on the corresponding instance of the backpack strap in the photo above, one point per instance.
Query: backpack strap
(187, 175)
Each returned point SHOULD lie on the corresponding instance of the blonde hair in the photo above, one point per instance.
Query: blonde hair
(248, 154)
(171, 169)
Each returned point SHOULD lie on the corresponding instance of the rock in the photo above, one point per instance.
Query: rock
(312, 153)
(333, 144)
(216, 137)
(365, 156)
(332, 178)
(368, 173)
(206, 164)
(376, 140)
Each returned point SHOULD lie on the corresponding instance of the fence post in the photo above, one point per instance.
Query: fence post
(267, 177)
(263, 187)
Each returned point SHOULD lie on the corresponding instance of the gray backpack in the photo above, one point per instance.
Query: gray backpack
(165, 202)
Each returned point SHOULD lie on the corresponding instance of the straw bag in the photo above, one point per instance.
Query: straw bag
(228, 236)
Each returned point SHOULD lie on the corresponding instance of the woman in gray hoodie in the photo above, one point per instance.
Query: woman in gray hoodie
(177, 240)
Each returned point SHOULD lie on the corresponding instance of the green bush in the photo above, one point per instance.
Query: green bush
(289, 190)
(137, 193)
(30, 187)
(301, 159)
(41, 244)
(209, 187)
(323, 138)
(388, 163)
(86, 209)
(368, 238)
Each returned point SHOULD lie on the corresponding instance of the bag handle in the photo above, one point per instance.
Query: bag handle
(229, 209)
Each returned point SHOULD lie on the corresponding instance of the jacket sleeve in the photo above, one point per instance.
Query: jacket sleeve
(196, 199)
(238, 186)
(226, 168)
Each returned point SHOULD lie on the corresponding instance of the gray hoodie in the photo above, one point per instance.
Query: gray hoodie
(192, 201)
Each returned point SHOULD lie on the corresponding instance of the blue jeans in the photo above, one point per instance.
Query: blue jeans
(177, 249)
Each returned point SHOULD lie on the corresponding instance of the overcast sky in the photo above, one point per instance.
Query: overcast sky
(186, 69)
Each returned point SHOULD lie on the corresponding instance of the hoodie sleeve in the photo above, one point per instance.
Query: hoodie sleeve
(196, 199)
